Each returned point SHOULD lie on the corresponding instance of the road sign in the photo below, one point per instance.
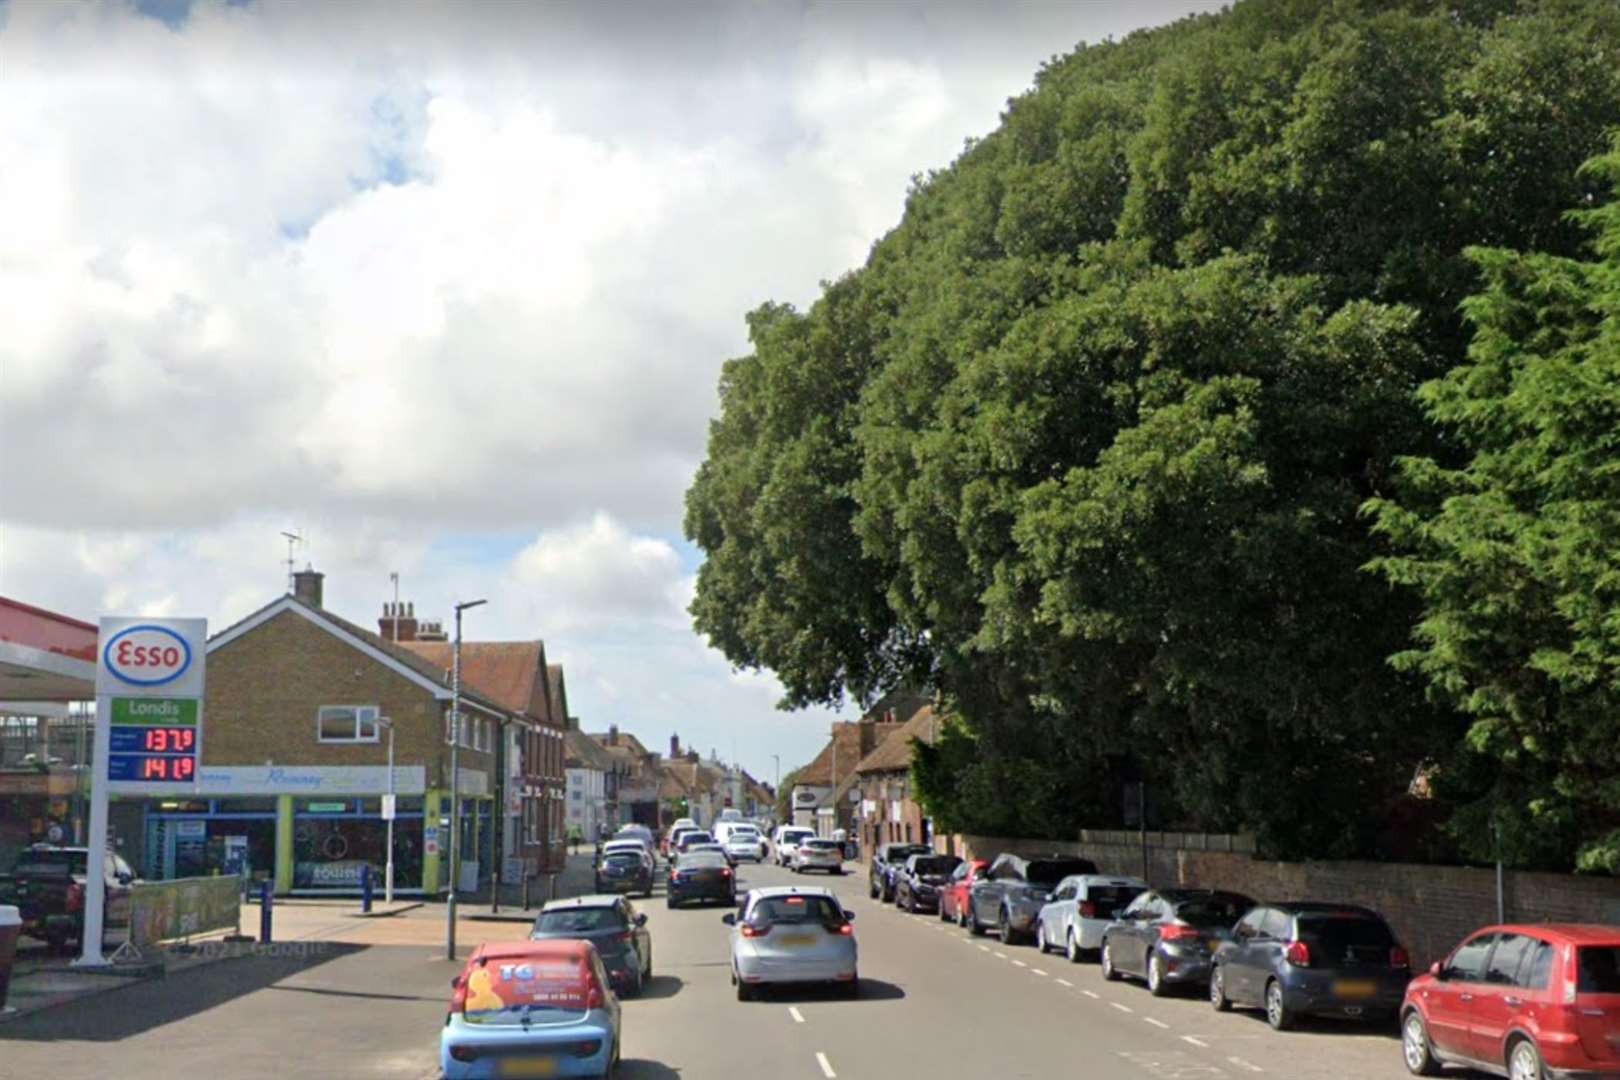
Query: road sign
(388, 803)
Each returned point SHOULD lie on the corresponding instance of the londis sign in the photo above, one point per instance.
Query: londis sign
(151, 657)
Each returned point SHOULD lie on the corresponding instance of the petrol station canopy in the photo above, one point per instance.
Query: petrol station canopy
(44, 657)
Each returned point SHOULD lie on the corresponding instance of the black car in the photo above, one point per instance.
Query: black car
(1009, 896)
(624, 871)
(610, 923)
(886, 864)
(1300, 959)
(917, 883)
(701, 875)
(1168, 936)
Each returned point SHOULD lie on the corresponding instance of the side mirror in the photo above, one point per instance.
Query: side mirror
(1436, 970)
(455, 983)
(729, 919)
(849, 916)
(641, 920)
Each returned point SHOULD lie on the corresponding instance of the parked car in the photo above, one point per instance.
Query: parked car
(792, 935)
(1081, 908)
(1519, 1001)
(700, 875)
(48, 889)
(612, 924)
(1298, 959)
(1010, 895)
(1168, 936)
(788, 838)
(886, 864)
(918, 882)
(818, 854)
(624, 871)
(547, 1007)
(953, 898)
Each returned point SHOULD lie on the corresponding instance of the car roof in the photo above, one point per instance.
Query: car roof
(1319, 907)
(1105, 879)
(526, 947)
(595, 900)
(1176, 896)
(1566, 933)
(767, 891)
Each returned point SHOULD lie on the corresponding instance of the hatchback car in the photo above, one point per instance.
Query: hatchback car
(1081, 908)
(917, 884)
(1010, 895)
(953, 898)
(1167, 936)
(611, 924)
(788, 838)
(700, 875)
(531, 1008)
(827, 855)
(1521, 1001)
(1299, 959)
(744, 842)
(792, 935)
(626, 872)
(691, 837)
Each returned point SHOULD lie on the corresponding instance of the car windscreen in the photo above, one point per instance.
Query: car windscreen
(701, 860)
(790, 910)
(743, 834)
(579, 920)
(697, 838)
(793, 836)
(1109, 899)
(1051, 871)
(821, 845)
(511, 991)
(1598, 969)
(1345, 938)
(623, 858)
(52, 863)
(1212, 912)
(940, 865)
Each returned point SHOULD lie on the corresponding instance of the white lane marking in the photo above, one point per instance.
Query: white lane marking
(1020, 963)
(1156, 1023)
(1092, 994)
(984, 948)
(1240, 1063)
(1121, 1008)
(793, 1011)
(1195, 1040)
(1065, 982)
(1001, 956)
(826, 1066)
(1036, 971)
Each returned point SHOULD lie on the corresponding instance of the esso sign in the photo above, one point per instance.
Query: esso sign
(147, 655)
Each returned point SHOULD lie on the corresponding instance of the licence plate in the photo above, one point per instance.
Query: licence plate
(1214, 943)
(525, 1068)
(1355, 989)
(798, 941)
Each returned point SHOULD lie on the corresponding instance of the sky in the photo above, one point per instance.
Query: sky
(445, 288)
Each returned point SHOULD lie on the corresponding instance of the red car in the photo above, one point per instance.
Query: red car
(953, 895)
(1527, 1002)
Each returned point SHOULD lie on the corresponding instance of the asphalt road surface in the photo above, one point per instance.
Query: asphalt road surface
(366, 999)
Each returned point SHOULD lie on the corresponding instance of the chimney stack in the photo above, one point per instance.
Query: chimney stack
(307, 586)
(398, 622)
(613, 734)
(674, 747)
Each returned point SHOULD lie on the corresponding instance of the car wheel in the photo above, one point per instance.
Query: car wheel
(1004, 928)
(1157, 985)
(635, 988)
(977, 928)
(1109, 971)
(852, 989)
(1071, 947)
(1524, 1061)
(911, 904)
(1040, 937)
(744, 991)
(1278, 1014)
(962, 918)
(1217, 991)
(1415, 1047)
(872, 889)
(673, 903)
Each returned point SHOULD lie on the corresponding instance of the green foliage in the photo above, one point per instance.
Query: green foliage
(1516, 551)
(1084, 444)
(784, 797)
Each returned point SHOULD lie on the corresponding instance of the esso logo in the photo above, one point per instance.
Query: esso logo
(147, 655)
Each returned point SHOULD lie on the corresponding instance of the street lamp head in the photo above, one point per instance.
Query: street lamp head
(464, 605)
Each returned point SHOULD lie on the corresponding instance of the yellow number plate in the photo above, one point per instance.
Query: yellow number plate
(797, 940)
(1355, 989)
(526, 1068)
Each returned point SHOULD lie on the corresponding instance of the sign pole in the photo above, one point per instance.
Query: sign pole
(95, 863)
(388, 872)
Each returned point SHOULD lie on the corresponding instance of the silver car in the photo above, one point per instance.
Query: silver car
(825, 855)
(1080, 910)
(788, 934)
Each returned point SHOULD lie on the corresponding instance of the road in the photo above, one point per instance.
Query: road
(366, 999)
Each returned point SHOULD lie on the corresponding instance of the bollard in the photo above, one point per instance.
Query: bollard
(365, 888)
(265, 901)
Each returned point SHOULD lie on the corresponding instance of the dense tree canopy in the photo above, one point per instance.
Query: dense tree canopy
(1085, 443)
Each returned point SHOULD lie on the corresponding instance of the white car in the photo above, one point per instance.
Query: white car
(792, 935)
(743, 843)
(1080, 909)
(788, 838)
(815, 854)
(636, 846)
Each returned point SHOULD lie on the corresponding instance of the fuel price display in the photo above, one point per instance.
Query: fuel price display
(153, 741)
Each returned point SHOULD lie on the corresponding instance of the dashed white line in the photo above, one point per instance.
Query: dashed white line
(1020, 963)
(1121, 1008)
(1092, 994)
(1001, 956)
(826, 1066)
(1195, 1041)
(984, 948)
(1065, 982)
(1156, 1023)
(793, 1011)
(1036, 971)
(1240, 1063)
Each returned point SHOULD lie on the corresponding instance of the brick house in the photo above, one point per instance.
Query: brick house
(640, 777)
(850, 742)
(888, 811)
(294, 760)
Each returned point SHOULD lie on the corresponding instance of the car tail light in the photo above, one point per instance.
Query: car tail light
(847, 929)
(1399, 958)
(585, 1048)
(75, 896)
(464, 1053)
(1298, 954)
(1088, 910)
(594, 998)
(750, 930)
(458, 1000)
(1176, 931)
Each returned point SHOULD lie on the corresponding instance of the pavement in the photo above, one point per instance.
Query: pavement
(345, 997)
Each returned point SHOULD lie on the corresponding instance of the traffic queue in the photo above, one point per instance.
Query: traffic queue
(1529, 1002)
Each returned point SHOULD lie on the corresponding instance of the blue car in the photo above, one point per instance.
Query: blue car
(531, 1009)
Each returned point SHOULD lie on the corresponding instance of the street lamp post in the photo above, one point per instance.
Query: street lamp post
(455, 781)
(393, 808)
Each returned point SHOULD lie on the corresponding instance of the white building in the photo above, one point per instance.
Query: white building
(590, 811)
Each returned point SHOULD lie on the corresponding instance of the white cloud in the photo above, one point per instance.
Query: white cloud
(448, 285)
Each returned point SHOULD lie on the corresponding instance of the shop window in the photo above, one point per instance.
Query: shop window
(346, 723)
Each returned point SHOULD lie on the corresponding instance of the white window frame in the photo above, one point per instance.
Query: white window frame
(364, 716)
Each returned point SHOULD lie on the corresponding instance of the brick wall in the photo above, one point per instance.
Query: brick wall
(1431, 908)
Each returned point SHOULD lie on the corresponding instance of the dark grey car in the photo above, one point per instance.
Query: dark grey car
(703, 876)
(624, 871)
(917, 884)
(886, 863)
(1010, 895)
(610, 923)
(1167, 936)
(1302, 958)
